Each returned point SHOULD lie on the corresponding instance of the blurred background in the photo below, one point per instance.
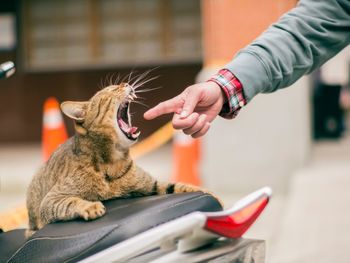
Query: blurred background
(295, 140)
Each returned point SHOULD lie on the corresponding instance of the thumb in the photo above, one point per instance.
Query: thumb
(191, 101)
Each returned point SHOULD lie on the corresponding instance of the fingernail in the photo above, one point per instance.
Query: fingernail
(183, 114)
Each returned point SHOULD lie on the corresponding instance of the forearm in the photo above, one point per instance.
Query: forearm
(302, 40)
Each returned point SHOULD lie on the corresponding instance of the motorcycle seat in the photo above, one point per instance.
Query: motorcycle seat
(75, 240)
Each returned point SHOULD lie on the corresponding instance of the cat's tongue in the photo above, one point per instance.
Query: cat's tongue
(126, 128)
(123, 125)
(133, 129)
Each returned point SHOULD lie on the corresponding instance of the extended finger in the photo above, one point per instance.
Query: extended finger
(197, 126)
(202, 131)
(191, 101)
(168, 106)
(180, 124)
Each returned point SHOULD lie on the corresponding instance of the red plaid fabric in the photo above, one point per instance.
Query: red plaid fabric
(234, 93)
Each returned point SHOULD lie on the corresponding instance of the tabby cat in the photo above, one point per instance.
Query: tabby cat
(93, 165)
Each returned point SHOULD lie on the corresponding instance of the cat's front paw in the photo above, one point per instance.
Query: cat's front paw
(185, 188)
(92, 210)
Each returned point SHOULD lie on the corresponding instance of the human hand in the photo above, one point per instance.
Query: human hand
(194, 109)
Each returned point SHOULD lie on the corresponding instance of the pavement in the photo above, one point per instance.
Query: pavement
(309, 223)
(315, 226)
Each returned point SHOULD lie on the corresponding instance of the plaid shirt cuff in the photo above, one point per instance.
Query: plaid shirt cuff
(234, 92)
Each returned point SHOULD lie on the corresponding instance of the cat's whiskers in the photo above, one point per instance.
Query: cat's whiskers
(142, 76)
(133, 78)
(116, 80)
(105, 80)
(138, 79)
(147, 90)
(141, 103)
(132, 97)
(136, 86)
(110, 80)
(100, 85)
(141, 98)
(129, 78)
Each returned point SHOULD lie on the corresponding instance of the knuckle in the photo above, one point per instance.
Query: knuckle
(201, 122)
(195, 115)
(193, 118)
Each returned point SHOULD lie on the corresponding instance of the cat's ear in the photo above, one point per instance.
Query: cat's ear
(75, 110)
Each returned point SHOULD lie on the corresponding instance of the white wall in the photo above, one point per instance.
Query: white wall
(270, 138)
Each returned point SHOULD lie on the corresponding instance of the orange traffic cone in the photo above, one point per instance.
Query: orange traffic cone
(186, 155)
(54, 131)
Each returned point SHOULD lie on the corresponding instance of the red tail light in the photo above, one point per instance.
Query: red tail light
(237, 223)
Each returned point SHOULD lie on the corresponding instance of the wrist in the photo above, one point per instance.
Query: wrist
(220, 93)
(232, 90)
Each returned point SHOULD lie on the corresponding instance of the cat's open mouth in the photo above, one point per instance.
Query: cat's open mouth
(124, 121)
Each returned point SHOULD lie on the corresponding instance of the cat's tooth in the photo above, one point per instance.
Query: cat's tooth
(135, 135)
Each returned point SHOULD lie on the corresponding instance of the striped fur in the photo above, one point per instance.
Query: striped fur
(92, 166)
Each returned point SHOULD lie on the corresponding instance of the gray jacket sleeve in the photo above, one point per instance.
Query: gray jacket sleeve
(302, 40)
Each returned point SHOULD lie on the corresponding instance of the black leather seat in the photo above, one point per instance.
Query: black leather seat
(74, 240)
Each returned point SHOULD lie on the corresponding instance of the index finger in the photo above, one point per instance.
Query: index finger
(168, 106)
